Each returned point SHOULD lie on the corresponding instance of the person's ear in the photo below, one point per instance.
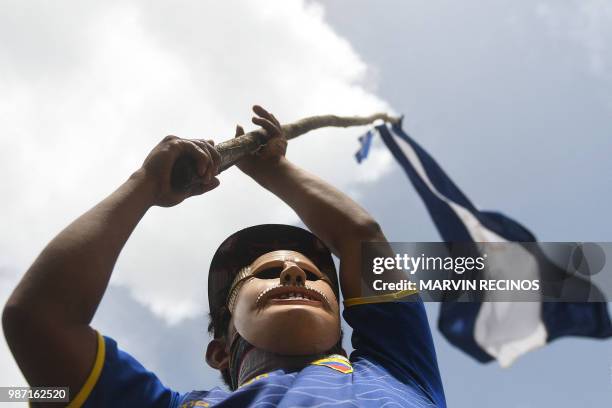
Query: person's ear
(216, 354)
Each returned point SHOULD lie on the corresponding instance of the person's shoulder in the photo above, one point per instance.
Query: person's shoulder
(118, 379)
(388, 321)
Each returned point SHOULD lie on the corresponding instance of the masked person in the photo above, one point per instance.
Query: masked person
(273, 296)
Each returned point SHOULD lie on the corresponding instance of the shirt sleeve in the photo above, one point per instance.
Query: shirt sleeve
(396, 334)
(118, 380)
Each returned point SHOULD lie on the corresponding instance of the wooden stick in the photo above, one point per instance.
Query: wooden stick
(231, 151)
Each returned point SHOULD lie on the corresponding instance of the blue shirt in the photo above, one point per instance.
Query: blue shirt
(393, 365)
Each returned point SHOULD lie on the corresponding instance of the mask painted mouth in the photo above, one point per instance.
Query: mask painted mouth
(292, 295)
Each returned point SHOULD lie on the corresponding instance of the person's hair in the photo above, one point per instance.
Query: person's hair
(218, 323)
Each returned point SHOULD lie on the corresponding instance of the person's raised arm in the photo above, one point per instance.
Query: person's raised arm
(330, 214)
(46, 319)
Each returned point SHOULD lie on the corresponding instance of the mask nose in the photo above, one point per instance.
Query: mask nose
(292, 275)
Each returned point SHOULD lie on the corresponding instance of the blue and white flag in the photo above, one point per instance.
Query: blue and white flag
(490, 330)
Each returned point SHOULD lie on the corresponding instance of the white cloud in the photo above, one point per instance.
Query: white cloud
(89, 88)
(588, 24)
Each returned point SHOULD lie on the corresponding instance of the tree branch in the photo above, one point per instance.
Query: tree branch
(235, 149)
(231, 151)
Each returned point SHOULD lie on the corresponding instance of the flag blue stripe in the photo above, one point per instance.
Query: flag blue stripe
(576, 319)
(456, 321)
(365, 142)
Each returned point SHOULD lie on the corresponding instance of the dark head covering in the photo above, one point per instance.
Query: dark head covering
(243, 247)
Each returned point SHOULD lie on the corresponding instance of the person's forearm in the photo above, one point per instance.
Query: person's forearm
(68, 279)
(329, 213)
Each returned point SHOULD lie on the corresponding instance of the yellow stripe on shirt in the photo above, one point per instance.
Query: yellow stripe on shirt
(92, 379)
(389, 297)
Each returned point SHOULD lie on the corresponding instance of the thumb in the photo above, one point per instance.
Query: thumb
(201, 188)
(239, 131)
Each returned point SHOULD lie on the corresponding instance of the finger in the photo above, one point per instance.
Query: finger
(195, 189)
(214, 183)
(216, 158)
(259, 111)
(270, 127)
(202, 187)
(239, 131)
(201, 156)
(208, 141)
(169, 138)
(276, 122)
(214, 155)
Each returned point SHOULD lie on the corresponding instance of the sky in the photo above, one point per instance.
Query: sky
(513, 98)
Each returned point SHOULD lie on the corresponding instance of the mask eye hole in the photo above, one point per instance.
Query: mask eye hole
(269, 273)
(311, 276)
(275, 271)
